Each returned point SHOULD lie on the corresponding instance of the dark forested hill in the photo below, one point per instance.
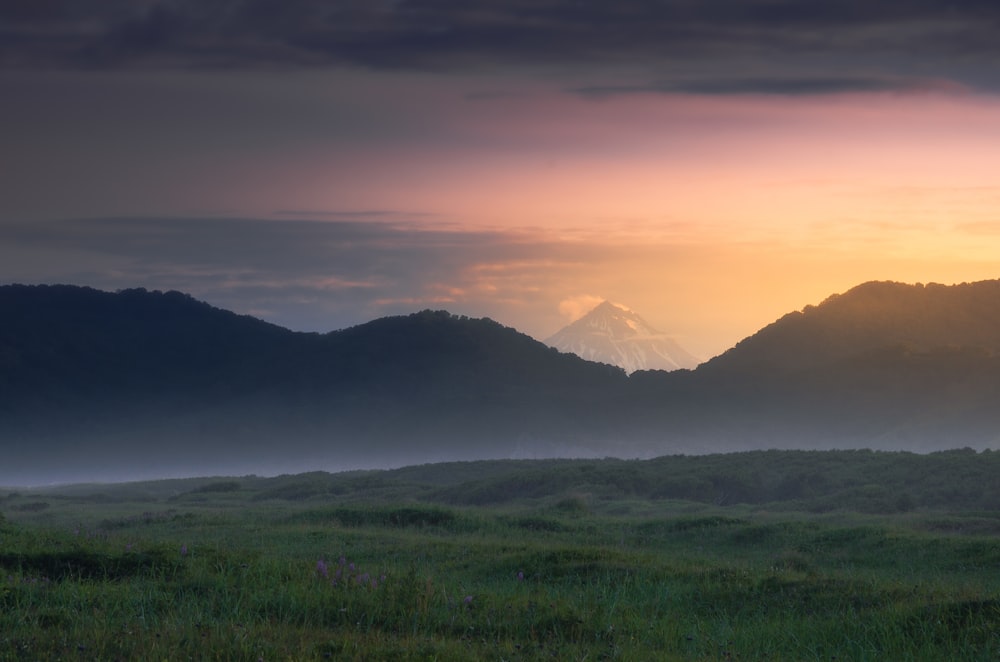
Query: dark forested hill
(68, 342)
(135, 383)
(166, 382)
(64, 340)
(871, 317)
(884, 365)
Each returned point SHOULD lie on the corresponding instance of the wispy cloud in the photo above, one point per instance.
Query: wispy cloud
(575, 307)
(353, 215)
(780, 85)
(308, 274)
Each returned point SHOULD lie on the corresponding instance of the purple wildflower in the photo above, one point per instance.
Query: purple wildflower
(467, 600)
(520, 576)
(321, 569)
(184, 550)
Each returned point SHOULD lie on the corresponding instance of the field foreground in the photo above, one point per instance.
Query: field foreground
(395, 566)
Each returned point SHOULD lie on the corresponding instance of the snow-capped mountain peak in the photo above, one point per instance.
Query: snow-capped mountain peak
(612, 333)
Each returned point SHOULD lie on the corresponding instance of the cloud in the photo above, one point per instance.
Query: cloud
(307, 274)
(341, 215)
(830, 44)
(784, 86)
(573, 308)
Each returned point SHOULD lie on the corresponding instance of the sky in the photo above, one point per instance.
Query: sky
(710, 164)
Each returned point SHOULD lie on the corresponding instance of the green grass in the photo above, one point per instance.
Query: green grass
(563, 576)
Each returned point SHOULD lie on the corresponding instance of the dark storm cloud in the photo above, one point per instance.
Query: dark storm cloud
(834, 42)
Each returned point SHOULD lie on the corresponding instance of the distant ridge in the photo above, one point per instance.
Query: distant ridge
(613, 334)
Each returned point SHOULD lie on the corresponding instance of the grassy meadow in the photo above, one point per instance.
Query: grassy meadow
(555, 560)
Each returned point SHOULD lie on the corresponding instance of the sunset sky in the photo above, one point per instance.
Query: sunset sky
(712, 165)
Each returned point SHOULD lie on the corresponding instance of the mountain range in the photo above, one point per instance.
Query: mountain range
(102, 386)
(613, 334)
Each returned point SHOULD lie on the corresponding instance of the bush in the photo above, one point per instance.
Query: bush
(219, 486)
